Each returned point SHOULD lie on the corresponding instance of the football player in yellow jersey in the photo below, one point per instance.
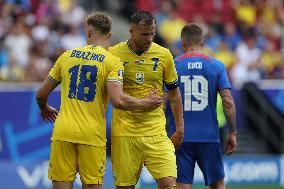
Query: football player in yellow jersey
(139, 137)
(88, 76)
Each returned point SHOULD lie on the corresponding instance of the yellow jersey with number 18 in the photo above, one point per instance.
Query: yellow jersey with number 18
(142, 74)
(83, 73)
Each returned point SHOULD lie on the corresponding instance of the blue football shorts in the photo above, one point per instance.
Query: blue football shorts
(208, 157)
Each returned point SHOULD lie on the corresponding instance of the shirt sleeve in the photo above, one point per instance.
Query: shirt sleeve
(55, 72)
(170, 74)
(116, 71)
(223, 81)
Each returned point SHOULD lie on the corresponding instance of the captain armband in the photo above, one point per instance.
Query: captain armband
(172, 85)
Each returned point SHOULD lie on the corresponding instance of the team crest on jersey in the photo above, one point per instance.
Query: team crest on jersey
(139, 61)
(140, 77)
(120, 74)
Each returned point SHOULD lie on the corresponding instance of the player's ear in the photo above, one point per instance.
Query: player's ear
(183, 43)
(131, 29)
(202, 42)
(89, 34)
(108, 35)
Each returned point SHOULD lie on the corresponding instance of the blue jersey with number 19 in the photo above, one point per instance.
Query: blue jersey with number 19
(200, 79)
(83, 73)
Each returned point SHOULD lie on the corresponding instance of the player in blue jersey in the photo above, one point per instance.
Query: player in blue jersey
(201, 77)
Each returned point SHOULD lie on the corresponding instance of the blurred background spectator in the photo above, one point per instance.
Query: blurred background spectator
(247, 35)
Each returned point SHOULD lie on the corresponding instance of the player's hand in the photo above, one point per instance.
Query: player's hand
(177, 139)
(152, 100)
(49, 114)
(231, 144)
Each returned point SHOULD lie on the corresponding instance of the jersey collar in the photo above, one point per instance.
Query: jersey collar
(138, 54)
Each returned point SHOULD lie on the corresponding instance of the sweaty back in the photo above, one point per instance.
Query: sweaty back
(200, 79)
(83, 73)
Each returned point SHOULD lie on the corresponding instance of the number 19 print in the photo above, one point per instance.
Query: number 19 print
(198, 88)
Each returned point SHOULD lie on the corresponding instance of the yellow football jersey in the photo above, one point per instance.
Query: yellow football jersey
(142, 74)
(83, 73)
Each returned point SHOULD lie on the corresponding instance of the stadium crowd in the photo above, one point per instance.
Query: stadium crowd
(247, 35)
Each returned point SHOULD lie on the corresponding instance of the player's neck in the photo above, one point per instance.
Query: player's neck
(98, 42)
(134, 47)
(193, 50)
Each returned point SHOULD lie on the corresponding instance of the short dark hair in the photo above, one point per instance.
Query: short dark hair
(99, 21)
(144, 16)
(192, 34)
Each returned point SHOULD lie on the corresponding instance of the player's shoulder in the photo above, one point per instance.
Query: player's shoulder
(160, 48)
(216, 62)
(208, 58)
(179, 58)
(111, 58)
(65, 55)
(118, 46)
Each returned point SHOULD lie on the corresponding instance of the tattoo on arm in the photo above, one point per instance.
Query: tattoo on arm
(172, 101)
(229, 109)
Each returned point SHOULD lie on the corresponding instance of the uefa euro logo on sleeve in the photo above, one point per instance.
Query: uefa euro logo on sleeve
(140, 77)
(120, 74)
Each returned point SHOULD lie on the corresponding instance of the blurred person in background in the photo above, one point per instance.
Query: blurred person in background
(246, 12)
(39, 65)
(213, 39)
(18, 44)
(246, 68)
(74, 11)
(139, 137)
(226, 56)
(170, 27)
(4, 61)
(201, 78)
(270, 59)
(79, 135)
(72, 38)
(221, 122)
(51, 19)
(231, 36)
(164, 12)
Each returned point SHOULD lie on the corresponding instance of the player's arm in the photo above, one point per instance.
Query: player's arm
(123, 101)
(53, 79)
(230, 114)
(165, 99)
(174, 97)
(48, 113)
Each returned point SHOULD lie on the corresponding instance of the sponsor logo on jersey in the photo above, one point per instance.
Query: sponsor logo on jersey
(120, 73)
